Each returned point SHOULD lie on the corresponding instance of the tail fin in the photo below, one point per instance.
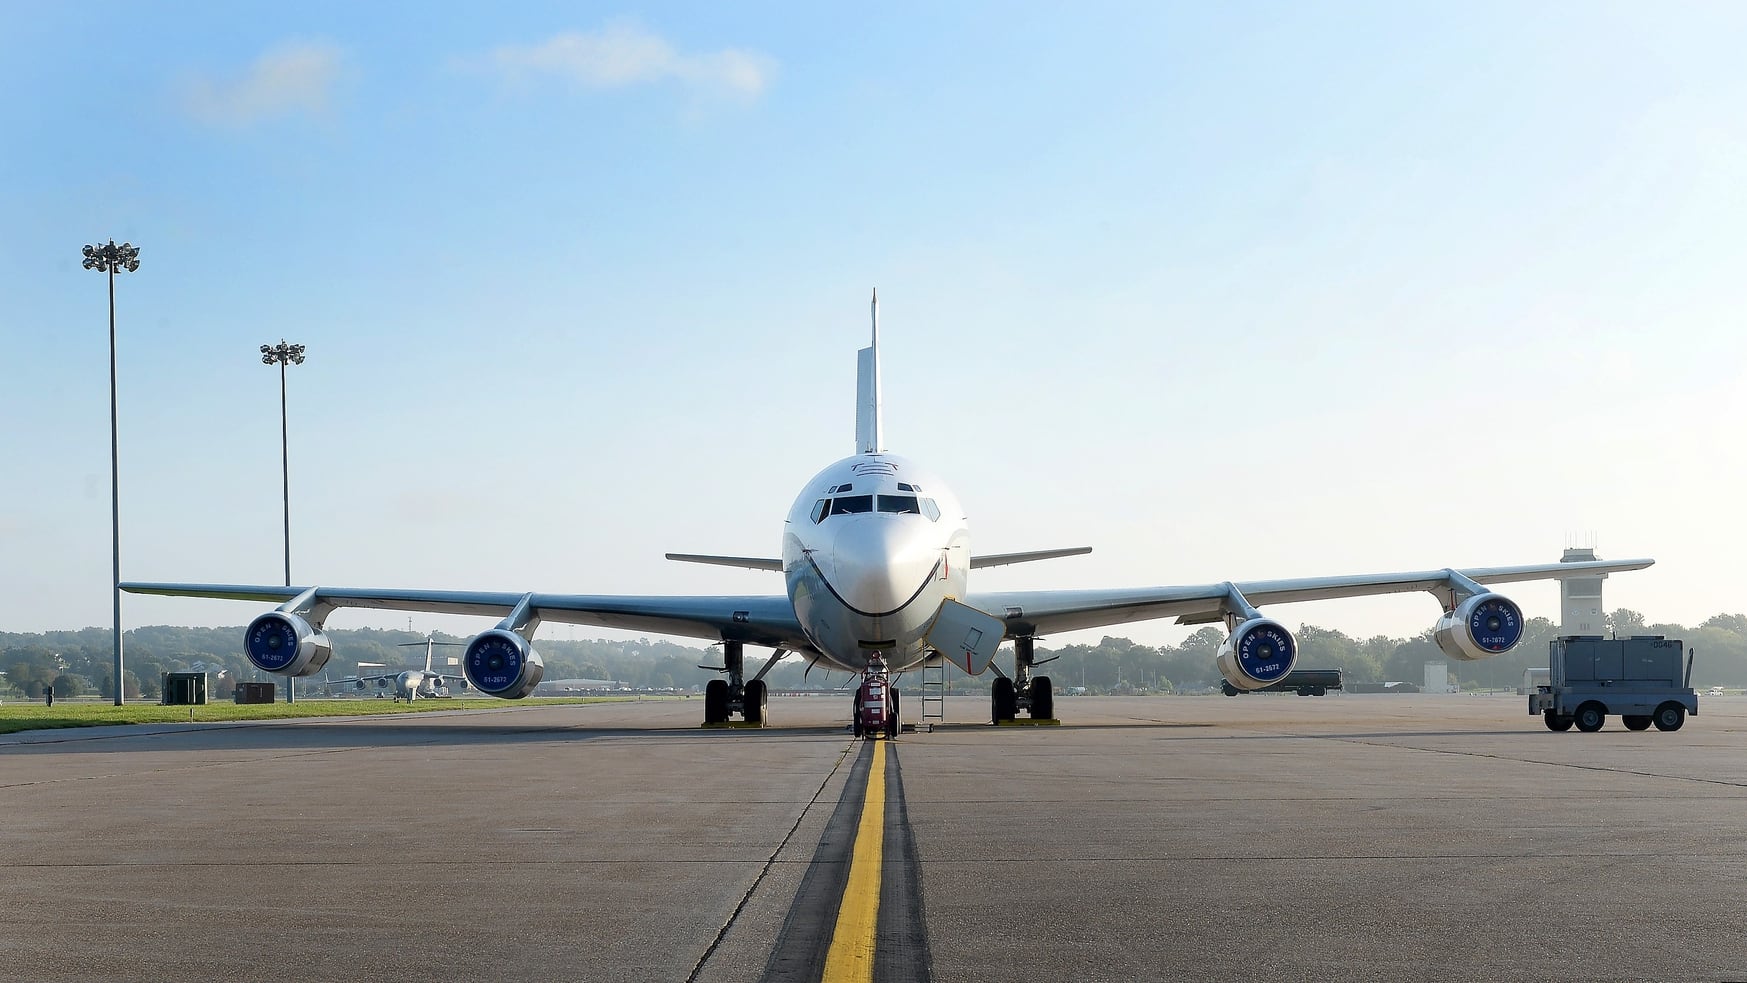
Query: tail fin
(868, 438)
(429, 643)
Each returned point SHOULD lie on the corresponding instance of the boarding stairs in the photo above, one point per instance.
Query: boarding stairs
(933, 691)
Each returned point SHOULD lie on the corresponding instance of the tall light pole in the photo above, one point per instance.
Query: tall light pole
(111, 259)
(285, 355)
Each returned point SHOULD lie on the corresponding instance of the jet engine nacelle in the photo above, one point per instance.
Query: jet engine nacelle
(285, 644)
(1481, 627)
(1258, 653)
(501, 663)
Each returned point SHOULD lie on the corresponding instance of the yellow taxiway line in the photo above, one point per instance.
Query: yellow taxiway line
(851, 957)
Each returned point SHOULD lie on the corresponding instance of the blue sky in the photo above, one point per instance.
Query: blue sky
(1224, 291)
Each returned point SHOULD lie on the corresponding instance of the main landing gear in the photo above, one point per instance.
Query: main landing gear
(1022, 691)
(750, 698)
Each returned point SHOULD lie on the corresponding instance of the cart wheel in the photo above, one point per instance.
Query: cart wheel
(1590, 716)
(1669, 716)
(1556, 721)
(1636, 721)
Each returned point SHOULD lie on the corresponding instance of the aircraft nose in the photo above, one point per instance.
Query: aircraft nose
(879, 562)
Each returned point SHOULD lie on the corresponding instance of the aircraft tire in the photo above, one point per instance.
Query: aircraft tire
(894, 713)
(1669, 716)
(1004, 703)
(1590, 717)
(1042, 699)
(1636, 721)
(754, 701)
(855, 726)
(1556, 721)
(716, 702)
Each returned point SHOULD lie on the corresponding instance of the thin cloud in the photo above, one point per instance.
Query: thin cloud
(624, 54)
(290, 78)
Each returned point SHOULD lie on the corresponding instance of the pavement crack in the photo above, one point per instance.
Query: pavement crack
(769, 863)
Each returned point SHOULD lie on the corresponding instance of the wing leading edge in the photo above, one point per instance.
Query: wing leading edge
(1038, 612)
(765, 620)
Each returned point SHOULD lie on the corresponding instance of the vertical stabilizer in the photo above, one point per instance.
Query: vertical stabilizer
(868, 438)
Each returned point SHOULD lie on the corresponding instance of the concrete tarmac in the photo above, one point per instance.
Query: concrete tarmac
(1250, 838)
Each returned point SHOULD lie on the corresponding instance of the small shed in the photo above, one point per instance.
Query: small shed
(183, 689)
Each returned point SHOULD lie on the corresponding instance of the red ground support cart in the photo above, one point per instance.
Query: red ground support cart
(876, 703)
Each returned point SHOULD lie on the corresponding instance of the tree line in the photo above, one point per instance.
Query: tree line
(1719, 647)
(81, 662)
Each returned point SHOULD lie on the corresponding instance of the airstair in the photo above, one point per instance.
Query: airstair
(933, 691)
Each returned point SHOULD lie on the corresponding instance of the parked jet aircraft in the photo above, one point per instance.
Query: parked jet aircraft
(411, 684)
(876, 560)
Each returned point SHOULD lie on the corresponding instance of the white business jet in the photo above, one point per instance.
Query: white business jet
(876, 558)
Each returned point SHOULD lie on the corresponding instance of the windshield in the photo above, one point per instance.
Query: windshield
(900, 503)
(889, 504)
(851, 504)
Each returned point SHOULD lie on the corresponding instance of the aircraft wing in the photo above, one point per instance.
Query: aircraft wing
(749, 562)
(1003, 559)
(349, 680)
(1038, 612)
(379, 678)
(766, 620)
(447, 680)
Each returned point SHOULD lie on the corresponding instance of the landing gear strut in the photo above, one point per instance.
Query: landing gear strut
(750, 698)
(1033, 694)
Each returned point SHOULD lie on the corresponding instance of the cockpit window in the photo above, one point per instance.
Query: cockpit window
(931, 510)
(820, 508)
(900, 503)
(851, 504)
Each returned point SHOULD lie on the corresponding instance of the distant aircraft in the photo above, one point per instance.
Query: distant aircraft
(876, 560)
(411, 684)
(578, 685)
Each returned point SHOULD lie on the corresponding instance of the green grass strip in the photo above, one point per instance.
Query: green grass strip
(15, 717)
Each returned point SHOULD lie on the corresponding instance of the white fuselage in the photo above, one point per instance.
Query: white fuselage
(412, 684)
(871, 548)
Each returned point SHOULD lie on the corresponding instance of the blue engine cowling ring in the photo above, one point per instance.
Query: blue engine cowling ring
(1480, 627)
(501, 663)
(283, 643)
(1258, 653)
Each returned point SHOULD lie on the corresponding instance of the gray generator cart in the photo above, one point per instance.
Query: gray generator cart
(1640, 678)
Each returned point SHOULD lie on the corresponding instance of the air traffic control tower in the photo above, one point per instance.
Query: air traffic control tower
(1581, 596)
